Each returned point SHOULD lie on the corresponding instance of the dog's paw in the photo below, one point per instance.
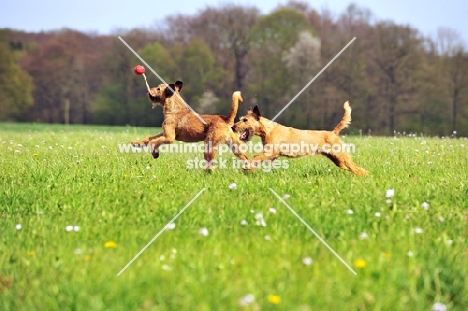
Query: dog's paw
(155, 154)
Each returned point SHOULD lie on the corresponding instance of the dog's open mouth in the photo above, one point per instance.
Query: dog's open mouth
(154, 100)
(246, 135)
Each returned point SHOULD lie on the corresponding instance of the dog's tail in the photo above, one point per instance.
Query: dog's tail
(236, 98)
(346, 121)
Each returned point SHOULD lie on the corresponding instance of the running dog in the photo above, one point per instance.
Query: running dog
(182, 124)
(279, 140)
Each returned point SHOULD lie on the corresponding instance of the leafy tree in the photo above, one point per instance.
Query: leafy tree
(15, 84)
(454, 68)
(398, 55)
(272, 38)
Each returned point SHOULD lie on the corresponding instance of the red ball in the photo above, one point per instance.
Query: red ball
(139, 70)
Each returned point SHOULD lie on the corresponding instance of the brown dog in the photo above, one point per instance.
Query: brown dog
(184, 125)
(279, 140)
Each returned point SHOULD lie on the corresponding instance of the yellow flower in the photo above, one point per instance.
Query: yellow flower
(35, 154)
(274, 299)
(110, 244)
(87, 257)
(387, 255)
(31, 253)
(360, 263)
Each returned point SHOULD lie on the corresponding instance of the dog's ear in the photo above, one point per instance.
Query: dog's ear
(256, 111)
(179, 85)
(168, 91)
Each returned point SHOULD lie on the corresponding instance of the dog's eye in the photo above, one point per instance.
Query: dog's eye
(245, 120)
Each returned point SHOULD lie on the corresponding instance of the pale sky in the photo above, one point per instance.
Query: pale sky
(104, 16)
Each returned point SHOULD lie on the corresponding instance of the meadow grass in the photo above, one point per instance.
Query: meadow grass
(406, 257)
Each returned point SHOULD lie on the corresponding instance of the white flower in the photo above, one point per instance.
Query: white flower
(267, 237)
(70, 148)
(76, 228)
(307, 261)
(259, 220)
(388, 201)
(244, 222)
(246, 300)
(233, 186)
(441, 219)
(170, 226)
(363, 236)
(18, 227)
(449, 242)
(174, 251)
(78, 251)
(350, 212)
(425, 206)
(69, 228)
(19, 145)
(252, 211)
(148, 167)
(203, 231)
(286, 196)
(438, 306)
(390, 193)
(272, 210)
(166, 267)
(377, 214)
(410, 254)
(161, 258)
(418, 230)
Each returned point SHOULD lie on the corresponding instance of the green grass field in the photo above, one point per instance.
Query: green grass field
(54, 177)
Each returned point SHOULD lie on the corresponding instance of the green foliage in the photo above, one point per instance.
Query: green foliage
(16, 85)
(281, 27)
(55, 176)
(395, 78)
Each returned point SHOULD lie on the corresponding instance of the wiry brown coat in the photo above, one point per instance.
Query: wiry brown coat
(182, 124)
(279, 140)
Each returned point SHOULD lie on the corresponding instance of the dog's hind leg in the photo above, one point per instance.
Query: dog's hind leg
(344, 161)
(209, 153)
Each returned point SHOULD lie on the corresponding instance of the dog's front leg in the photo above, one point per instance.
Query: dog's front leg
(166, 137)
(236, 147)
(144, 142)
(263, 157)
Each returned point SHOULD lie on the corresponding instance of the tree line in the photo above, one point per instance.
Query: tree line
(396, 79)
